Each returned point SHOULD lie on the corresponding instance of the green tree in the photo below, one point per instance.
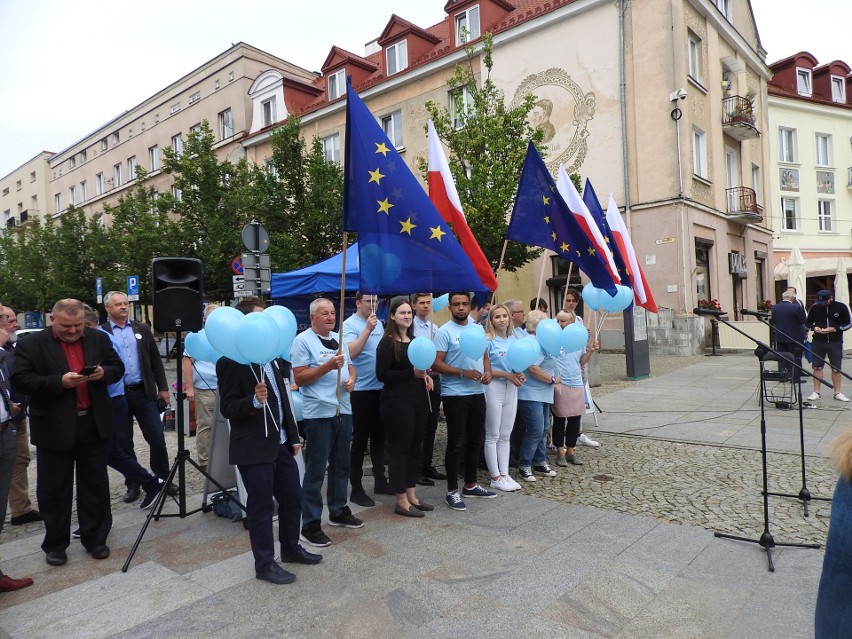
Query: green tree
(487, 142)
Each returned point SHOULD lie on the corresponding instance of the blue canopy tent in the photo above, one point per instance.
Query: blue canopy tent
(316, 279)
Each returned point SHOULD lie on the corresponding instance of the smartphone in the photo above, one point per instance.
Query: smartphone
(88, 370)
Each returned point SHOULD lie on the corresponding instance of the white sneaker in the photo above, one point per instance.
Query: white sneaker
(500, 484)
(585, 440)
(840, 397)
(813, 397)
(511, 483)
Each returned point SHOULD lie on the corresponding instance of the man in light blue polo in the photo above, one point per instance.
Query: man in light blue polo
(320, 363)
(362, 332)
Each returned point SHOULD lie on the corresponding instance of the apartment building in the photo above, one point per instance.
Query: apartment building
(24, 192)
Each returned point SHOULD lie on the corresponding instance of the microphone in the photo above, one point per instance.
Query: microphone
(708, 311)
(761, 314)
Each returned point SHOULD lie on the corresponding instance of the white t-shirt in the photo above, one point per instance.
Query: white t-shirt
(320, 397)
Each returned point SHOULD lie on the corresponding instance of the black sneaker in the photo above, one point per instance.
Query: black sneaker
(315, 537)
(361, 498)
(151, 496)
(345, 519)
(545, 470)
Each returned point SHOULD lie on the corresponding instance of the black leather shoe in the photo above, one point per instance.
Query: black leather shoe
(131, 495)
(275, 574)
(99, 552)
(424, 481)
(432, 473)
(411, 511)
(301, 556)
(56, 558)
(27, 518)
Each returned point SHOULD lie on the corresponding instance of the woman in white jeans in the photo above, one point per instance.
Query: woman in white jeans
(501, 399)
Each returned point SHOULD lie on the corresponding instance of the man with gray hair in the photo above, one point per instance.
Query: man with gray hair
(788, 318)
(517, 310)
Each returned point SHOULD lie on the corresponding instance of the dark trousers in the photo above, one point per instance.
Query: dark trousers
(8, 450)
(145, 410)
(431, 424)
(407, 419)
(55, 489)
(566, 430)
(127, 465)
(465, 435)
(278, 479)
(796, 350)
(366, 426)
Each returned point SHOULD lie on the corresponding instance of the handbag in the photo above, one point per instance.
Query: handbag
(568, 401)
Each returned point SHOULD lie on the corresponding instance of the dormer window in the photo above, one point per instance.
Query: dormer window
(803, 82)
(268, 107)
(335, 85)
(397, 57)
(467, 25)
(838, 89)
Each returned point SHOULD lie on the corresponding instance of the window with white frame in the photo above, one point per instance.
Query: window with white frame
(331, 148)
(694, 50)
(99, 184)
(72, 161)
(104, 144)
(153, 158)
(177, 144)
(789, 214)
(83, 155)
(270, 168)
(226, 124)
(336, 84)
(154, 197)
(461, 106)
(757, 184)
(84, 192)
(724, 7)
(699, 153)
(825, 222)
(72, 192)
(177, 194)
(397, 57)
(823, 149)
(838, 89)
(32, 176)
(57, 203)
(786, 145)
(116, 137)
(392, 125)
(195, 97)
(131, 168)
(467, 25)
(174, 108)
(116, 175)
(803, 81)
(268, 108)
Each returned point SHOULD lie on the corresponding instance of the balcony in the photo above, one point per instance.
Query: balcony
(743, 206)
(28, 217)
(738, 118)
(11, 223)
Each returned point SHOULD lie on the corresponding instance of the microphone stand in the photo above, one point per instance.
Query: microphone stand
(766, 540)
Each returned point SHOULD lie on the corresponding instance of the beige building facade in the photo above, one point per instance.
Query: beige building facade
(24, 192)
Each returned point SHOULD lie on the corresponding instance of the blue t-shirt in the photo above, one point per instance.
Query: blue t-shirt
(498, 348)
(365, 363)
(519, 332)
(320, 398)
(447, 341)
(534, 390)
(568, 368)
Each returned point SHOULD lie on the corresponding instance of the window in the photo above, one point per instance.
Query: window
(702, 270)
(392, 125)
(131, 168)
(397, 57)
(174, 108)
(786, 145)
(757, 184)
(72, 161)
(461, 106)
(724, 7)
(195, 97)
(177, 144)
(838, 89)
(116, 175)
(32, 176)
(270, 168)
(268, 107)
(177, 194)
(83, 155)
(803, 81)
(694, 50)
(154, 157)
(72, 191)
(18, 185)
(6, 191)
(226, 124)
(84, 195)
(467, 25)
(335, 85)
(154, 197)
(823, 149)
(104, 144)
(331, 148)
(789, 214)
(699, 153)
(99, 184)
(57, 203)
(825, 225)
(116, 137)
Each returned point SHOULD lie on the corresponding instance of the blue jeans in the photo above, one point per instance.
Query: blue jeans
(327, 443)
(535, 416)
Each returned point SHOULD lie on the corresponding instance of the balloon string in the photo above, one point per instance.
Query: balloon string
(268, 409)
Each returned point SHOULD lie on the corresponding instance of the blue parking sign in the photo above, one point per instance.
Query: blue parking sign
(133, 288)
(99, 289)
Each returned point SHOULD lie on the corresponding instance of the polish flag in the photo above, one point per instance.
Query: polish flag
(641, 291)
(584, 218)
(442, 192)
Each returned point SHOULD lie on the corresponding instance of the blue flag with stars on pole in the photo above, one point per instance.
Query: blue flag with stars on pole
(541, 217)
(403, 243)
(594, 206)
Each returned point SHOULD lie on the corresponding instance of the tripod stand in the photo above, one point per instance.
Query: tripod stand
(766, 540)
(178, 469)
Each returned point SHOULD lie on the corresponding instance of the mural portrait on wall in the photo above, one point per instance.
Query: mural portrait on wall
(562, 111)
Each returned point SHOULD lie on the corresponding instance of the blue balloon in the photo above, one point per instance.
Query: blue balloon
(472, 341)
(258, 337)
(523, 353)
(609, 303)
(440, 303)
(286, 321)
(198, 347)
(421, 353)
(592, 296)
(298, 405)
(548, 334)
(221, 328)
(624, 295)
(574, 338)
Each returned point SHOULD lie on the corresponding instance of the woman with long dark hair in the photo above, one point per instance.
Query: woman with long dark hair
(404, 408)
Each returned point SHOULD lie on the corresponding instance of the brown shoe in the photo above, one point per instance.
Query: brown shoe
(8, 584)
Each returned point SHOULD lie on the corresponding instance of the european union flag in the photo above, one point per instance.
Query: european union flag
(404, 245)
(541, 217)
(594, 206)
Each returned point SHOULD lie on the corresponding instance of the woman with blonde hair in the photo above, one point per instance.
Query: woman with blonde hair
(501, 398)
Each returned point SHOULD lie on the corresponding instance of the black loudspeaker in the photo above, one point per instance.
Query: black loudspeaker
(178, 294)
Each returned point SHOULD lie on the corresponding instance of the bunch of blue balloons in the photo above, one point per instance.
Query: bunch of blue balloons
(599, 299)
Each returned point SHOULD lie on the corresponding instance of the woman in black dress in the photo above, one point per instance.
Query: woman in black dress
(404, 407)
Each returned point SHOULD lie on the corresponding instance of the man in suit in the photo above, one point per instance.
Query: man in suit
(71, 422)
(264, 441)
(788, 318)
(144, 384)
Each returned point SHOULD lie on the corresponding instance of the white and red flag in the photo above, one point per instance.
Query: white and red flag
(641, 291)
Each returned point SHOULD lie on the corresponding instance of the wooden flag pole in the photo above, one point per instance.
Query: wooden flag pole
(340, 315)
(567, 283)
(540, 279)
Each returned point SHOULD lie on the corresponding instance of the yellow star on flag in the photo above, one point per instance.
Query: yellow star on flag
(553, 235)
(375, 176)
(591, 250)
(564, 247)
(436, 232)
(545, 200)
(547, 219)
(407, 226)
(384, 206)
(382, 148)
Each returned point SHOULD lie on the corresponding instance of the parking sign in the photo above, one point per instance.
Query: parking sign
(133, 288)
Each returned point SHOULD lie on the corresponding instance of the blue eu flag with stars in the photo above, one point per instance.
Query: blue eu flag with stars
(403, 244)
(594, 206)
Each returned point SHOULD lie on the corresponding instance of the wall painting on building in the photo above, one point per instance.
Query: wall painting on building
(825, 182)
(789, 179)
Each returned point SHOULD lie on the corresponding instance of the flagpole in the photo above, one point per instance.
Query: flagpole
(340, 315)
(567, 283)
(497, 272)
(541, 278)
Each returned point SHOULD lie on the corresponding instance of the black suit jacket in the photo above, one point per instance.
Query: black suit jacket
(789, 318)
(252, 441)
(38, 370)
(150, 362)
(8, 353)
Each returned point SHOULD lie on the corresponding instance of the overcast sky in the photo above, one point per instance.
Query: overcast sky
(67, 68)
